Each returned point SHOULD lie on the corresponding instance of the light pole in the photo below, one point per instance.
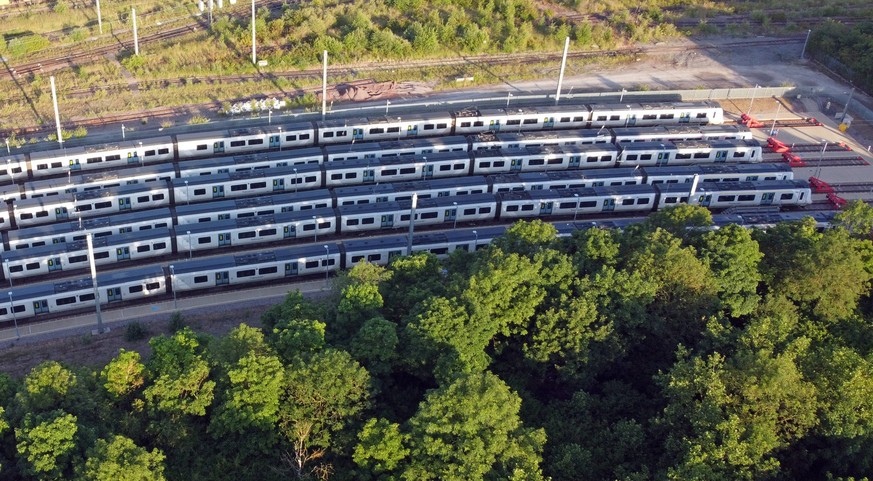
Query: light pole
(280, 139)
(455, 215)
(8, 273)
(189, 243)
(753, 99)
(187, 195)
(821, 157)
(8, 166)
(808, 32)
(295, 180)
(141, 157)
(627, 117)
(173, 286)
(90, 239)
(7, 147)
(424, 173)
(122, 131)
(508, 96)
(576, 211)
(387, 103)
(315, 222)
(621, 98)
(326, 270)
(14, 317)
(476, 242)
(846, 109)
(269, 116)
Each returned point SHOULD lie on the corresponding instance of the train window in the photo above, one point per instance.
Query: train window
(407, 170)
(484, 165)
(336, 176)
(290, 138)
(387, 172)
(163, 151)
(601, 118)
(304, 207)
(142, 198)
(726, 198)
(428, 127)
(200, 279)
(143, 248)
(149, 153)
(204, 240)
(368, 220)
(556, 161)
(444, 168)
(442, 126)
(77, 259)
(135, 289)
(478, 123)
(683, 156)
(465, 124)
(670, 200)
(196, 192)
(311, 264)
(614, 117)
(86, 297)
(529, 121)
(739, 154)
(324, 225)
(42, 214)
(606, 158)
(351, 175)
(153, 285)
(258, 185)
(56, 165)
(103, 205)
(649, 117)
(357, 259)
(158, 197)
(3, 311)
(160, 245)
(667, 116)
(701, 155)
(627, 202)
(469, 211)
(566, 205)
(18, 308)
(786, 196)
(309, 227)
(429, 215)
(458, 167)
(246, 273)
(32, 265)
(374, 257)
(404, 217)
(63, 301)
(701, 115)
(26, 216)
(268, 270)
(328, 135)
(509, 208)
(238, 143)
(309, 179)
(238, 187)
(578, 119)
(564, 119)
(267, 232)
(16, 268)
(645, 156)
(513, 122)
(42, 166)
(246, 235)
(643, 201)
(256, 141)
(101, 255)
(304, 136)
(484, 210)
(377, 130)
(142, 228)
(341, 133)
(631, 157)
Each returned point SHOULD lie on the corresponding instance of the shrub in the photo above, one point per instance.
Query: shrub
(177, 322)
(134, 332)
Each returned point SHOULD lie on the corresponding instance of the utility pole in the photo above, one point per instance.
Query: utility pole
(808, 32)
(563, 65)
(846, 109)
(210, 13)
(254, 50)
(135, 36)
(99, 18)
(57, 116)
(411, 223)
(90, 238)
(324, 87)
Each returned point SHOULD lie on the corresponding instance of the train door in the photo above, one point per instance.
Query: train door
(575, 161)
(221, 278)
(122, 253)
(224, 239)
(387, 220)
(217, 191)
(546, 208)
(767, 198)
(278, 184)
(515, 165)
(411, 130)
(369, 176)
(124, 203)
(706, 200)
(548, 122)
(133, 158)
(113, 294)
(274, 141)
(494, 126)
(451, 214)
(75, 165)
(721, 155)
(427, 171)
(358, 134)
(40, 307)
(608, 205)
(663, 159)
(684, 118)
(289, 231)
(218, 147)
(59, 240)
(631, 120)
(290, 269)
(54, 264)
(61, 213)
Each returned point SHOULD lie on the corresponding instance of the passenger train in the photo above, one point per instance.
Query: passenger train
(338, 131)
(377, 212)
(154, 283)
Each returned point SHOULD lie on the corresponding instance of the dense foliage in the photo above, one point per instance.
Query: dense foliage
(848, 49)
(667, 351)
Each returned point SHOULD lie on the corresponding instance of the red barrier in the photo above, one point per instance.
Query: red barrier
(819, 186)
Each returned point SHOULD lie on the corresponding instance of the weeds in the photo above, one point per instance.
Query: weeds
(135, 332)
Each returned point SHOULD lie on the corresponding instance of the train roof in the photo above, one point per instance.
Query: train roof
(254, 202)
(37, 291)
(253, 221)
(244, 174)
(712, 169)
(110, 175)
(89, 223)
(716, 143)
(71, 152)
(415, 185)
(242, 159)
(385, 242)
(647, 146)
(75, 246)
(245, 131)
(383, 119)
(311, 251)
(554, 194)
(94, 194)
(656, 105)
(403, 144)
(761, 185)
(549, 135)
(561, 175)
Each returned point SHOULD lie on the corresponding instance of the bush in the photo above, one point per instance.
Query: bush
(177, 322)
(197, 120)
(134, 332)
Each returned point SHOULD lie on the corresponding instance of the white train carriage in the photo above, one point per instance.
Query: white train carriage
(392, 127)
(397, 191)
(518, 140)
(709, 151)
(255, 230)
(718, 173)
(245, 140)
(92, 157)
(11, 192)
(13, 167)
(240, 163)
(593, 200)
(722, 195)
(295, 261)
(473, 120)
(6, 217)
(98, 180)
(41, 299)
(391, 215)
(38, 261)
(45, 210)
(568, 179)
(441, 244)
(663, 133)
(246, 183)
(64, 232)
(534, 159)
(402, 148)
(370, 171)
(639, 154)
(375, 250)
(305, 200)
(640, 115)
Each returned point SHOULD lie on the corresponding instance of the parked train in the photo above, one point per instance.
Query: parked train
(74, 227)
(155, 283)
(338, 131)
(379, 213)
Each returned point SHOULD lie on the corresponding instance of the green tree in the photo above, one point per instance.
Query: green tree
(381, 446)
(296, 338)
(182, 385)
(857, 218)
(119, 459)
(733, 256)
(679, 219)
(47, 444)
(470, 429)
(251, 400)
(294, 307)
(47, 387)
(375, 345)
(413, 279)
(124, 375)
